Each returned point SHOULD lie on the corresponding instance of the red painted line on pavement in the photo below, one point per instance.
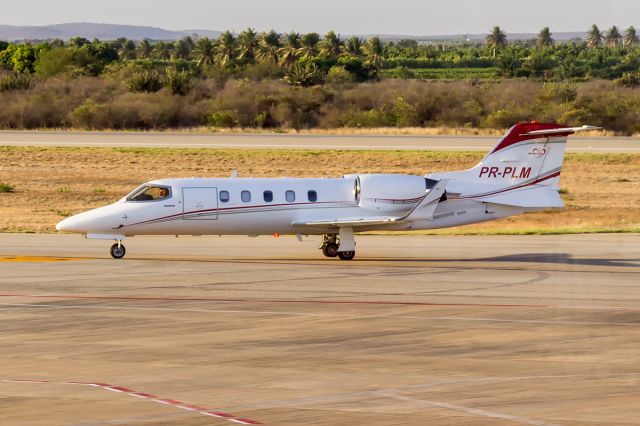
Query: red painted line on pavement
(127, 391)
(320, 302)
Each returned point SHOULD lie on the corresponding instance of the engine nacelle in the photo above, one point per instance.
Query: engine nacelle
(388, 192)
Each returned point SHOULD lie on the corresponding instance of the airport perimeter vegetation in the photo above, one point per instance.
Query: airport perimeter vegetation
(39, 186)
(291, 81)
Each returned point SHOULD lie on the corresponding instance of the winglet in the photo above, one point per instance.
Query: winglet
(427, 206)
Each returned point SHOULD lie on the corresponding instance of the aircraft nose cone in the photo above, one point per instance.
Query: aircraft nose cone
(68, 224)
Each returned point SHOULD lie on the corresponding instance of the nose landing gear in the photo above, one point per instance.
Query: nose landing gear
(117, 250)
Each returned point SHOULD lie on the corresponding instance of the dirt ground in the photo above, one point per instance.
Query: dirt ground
(601, 190)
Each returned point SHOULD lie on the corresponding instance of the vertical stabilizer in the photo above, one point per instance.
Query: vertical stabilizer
(527, 153)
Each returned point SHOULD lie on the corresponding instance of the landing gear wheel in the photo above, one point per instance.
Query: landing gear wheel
(330, 250)
(118, 251)
(346, 255)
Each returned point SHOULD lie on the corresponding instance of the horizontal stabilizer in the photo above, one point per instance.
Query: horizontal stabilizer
(531, 197)
(560, 131)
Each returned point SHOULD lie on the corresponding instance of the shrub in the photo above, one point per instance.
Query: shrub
(54, 61)
(505, 118)
(628, 79)
(405, 113)
(15, 81)
(224, 118)
(558, 92)
(404, 72)
(5, 187)
(144, 81)
(305, 75)
(339, 75)
(178, 82)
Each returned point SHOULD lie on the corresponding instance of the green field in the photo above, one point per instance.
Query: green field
(441, 73)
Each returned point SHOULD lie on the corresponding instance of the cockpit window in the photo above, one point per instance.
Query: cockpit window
(150, 193)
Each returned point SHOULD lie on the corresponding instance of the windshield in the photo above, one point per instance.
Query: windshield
(150, 193)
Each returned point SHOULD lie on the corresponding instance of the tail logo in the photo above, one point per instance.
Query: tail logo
(538, 152)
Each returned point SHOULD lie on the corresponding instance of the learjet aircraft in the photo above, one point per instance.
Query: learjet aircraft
(520, 174)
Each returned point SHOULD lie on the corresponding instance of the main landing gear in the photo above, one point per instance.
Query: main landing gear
(331, 244)
(117, 250)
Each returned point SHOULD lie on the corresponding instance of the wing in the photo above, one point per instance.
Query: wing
(421, 211)
(348, 221)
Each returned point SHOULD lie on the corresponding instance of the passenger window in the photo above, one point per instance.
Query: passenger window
(224, 196)
(312, 196)
(245, 196)
(150, 193)
(268, 196)
(290, 196)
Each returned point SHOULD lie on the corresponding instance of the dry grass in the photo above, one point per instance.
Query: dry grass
(347, 131)
(601, 191)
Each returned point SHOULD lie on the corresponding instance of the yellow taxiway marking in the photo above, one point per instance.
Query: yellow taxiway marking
(16, 259)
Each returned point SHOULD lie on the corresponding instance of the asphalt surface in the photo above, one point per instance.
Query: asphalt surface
(505, 330)
(288, 141)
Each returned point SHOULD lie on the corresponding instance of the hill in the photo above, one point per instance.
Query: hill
(91, 31)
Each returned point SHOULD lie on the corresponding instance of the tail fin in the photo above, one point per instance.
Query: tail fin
(529, 156)
(529, 151)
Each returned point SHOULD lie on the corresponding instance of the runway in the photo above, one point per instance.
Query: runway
(447, 330)
(292, 141)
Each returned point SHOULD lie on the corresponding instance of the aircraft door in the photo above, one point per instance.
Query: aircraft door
(200, 203)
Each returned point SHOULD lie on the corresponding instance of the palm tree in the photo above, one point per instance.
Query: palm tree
(310, 44)
(126, 48)
(331, 44)
(496, 39)
(145, 49)
(544, 38)
(630, 37)
(162, 50)
(353, 47)
(374, 50)
(307, 74)
(226, 48)
(268, 46)
(204, 51)
(247, 45)
(291, 50)
(594, 37)
(613, 37)
(189, 42)
(181, 50)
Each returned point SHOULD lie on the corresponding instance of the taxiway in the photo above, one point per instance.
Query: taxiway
(500, 330)
(292, 141)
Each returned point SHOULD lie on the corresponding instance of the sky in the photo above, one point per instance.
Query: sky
(401, 17)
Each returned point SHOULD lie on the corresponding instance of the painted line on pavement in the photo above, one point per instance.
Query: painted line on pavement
(468, 410)
(149, 397)
(318, 302)
(13, 306)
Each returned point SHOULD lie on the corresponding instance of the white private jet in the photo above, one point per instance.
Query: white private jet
(521, 174)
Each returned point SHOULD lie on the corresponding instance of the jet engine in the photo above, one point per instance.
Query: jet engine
(388, 192)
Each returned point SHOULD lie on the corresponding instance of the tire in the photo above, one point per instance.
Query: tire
(330, 250)
(118, 251)
(346, 255)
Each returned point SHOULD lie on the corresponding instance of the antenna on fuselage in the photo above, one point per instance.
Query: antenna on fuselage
(234, 174)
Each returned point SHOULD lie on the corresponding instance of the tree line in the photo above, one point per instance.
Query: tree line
(310, 59)
(302, 81)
